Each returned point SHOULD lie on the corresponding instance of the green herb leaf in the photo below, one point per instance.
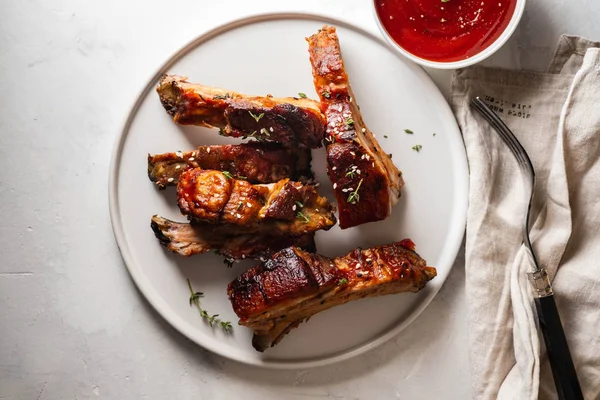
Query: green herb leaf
(240, 205)
(265, 132)
(445, 1)
(299, 204)
(354, 197)
(351, 171)
(256, 117)
(417, 148)
(343, 281)
(300, 215)
(408, 131)
(349, 122)
(211, 319)
(302, 95)
(222, 97)
(226, 326)
(228, 261)
(434, 134)
(222, 132)
(227, 174)
(385, 136)
(326, 94)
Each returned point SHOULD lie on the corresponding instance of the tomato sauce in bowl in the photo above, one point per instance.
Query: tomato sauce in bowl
(445, 30)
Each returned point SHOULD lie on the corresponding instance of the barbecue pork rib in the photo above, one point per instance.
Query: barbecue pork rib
(291, 121)
(282, 208)
(186, 239)
(365, 180)
(276, 296)
(257, 162)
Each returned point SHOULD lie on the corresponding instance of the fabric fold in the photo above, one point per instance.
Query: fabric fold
(548, 112)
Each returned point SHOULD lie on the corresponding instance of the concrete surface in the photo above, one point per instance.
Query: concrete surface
(72, 324)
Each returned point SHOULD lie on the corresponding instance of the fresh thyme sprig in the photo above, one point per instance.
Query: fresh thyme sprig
(257, 117)
(302, 216)
(351, 171)
(349, 123)
(211, 319)
(354, 197)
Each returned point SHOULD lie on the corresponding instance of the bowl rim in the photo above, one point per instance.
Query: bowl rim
(482, 55)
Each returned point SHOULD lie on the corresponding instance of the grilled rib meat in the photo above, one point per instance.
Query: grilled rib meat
(257, 162)
(186, 239)
(285, 207)
(274, 297)
(366, 182)
(285, 120)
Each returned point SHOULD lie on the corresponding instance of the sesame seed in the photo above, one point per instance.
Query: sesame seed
(391, 17)
(316, 210)
(358, 171)
(177, 166)
(334, 186)
(368, 157)
(191, 159)
(294, 207)
(317, 184)
(238, 215)
(208, 149)
(373, 165)
(271, 129)
(170, 180)
(243, 256)
(344, 190)
(179, 154)
(334, 168)
(364, 130)
(249, 204)
(353, 153)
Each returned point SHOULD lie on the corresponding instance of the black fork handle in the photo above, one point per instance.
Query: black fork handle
(561, 363)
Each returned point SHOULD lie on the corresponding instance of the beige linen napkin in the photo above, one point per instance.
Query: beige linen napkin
(545, 111)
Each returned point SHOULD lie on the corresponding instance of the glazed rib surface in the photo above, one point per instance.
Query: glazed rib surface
(293, 285)
(282, 208)
(256, 162)
(366, 182)
(291, 121)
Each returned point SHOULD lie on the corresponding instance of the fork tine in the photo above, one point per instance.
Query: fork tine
(505, 134)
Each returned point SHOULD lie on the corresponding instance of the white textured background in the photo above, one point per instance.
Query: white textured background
(72, 324)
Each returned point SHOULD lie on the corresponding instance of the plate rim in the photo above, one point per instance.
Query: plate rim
(455, 237)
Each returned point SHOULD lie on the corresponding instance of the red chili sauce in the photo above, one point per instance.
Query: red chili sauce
(450, 30)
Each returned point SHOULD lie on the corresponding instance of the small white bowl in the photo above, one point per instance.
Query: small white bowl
(485, 53)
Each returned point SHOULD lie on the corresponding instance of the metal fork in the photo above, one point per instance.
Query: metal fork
(563, 370)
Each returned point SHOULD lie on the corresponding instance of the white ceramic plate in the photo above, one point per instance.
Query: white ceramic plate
(268, 54)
